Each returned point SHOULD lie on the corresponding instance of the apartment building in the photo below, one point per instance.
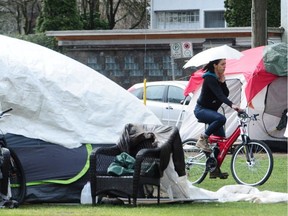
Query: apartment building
(186, 14)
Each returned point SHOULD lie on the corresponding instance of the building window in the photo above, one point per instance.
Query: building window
(177, 19)
(214, 19)
(166, 62)
(168, 66)
(92, 63)
(152, 67)
(178, 16)
(131, 66)
(112, 66)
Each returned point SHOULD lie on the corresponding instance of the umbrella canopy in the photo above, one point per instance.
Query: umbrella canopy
(220, 52)
(260, 66)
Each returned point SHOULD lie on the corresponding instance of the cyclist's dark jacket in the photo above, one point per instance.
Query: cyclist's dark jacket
(213, 92)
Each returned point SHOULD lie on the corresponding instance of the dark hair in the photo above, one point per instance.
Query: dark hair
(210, 67)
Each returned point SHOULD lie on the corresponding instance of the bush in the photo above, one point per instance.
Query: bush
(41, 39)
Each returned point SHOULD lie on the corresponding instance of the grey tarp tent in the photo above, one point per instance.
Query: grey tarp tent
(53, 173)
(60, 107)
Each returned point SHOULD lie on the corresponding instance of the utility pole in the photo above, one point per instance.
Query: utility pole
(259, 23)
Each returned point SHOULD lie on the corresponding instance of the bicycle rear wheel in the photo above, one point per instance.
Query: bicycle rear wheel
(17, 179)
(252, 163)
(195, 161)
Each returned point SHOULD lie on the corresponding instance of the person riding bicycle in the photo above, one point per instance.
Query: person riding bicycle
(213, 94)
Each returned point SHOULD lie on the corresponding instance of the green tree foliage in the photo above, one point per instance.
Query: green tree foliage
(40, 39)
(90, 15)
(238, 13)
(274, 13)
(93, 24)
(59, 15)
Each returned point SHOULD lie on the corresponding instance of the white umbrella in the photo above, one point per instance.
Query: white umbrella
(220, 52)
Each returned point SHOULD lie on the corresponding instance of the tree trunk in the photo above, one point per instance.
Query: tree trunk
(259, 23)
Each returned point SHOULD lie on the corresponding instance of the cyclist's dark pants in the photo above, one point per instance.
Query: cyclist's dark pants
(215, 120)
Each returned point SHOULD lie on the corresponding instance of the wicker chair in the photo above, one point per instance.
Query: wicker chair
(145, 153)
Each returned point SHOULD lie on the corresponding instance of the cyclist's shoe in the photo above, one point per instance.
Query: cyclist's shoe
(202, 143)
(218, 174)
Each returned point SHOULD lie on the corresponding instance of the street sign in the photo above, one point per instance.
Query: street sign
(181, 50)
(187, 51)
(176, 50)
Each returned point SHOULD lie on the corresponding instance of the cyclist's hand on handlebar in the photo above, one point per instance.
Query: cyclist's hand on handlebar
(238, 109)
(235, 107)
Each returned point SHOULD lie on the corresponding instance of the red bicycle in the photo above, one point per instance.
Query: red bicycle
(251, 163)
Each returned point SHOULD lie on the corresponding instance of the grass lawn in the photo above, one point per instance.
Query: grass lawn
(277, 182)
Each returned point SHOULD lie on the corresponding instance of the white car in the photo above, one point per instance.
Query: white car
(164, 98)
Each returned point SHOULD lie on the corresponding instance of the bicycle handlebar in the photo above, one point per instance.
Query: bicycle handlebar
(5, 111)
(242, 114)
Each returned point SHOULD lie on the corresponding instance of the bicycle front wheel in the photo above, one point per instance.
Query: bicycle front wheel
(252, 163)
(17, 178)
(195, 161)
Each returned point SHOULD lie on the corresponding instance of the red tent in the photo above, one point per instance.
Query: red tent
(260, 66)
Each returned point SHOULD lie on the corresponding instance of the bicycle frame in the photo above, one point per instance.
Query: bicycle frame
(224, 144)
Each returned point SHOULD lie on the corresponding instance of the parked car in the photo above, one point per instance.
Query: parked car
(164, 98)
